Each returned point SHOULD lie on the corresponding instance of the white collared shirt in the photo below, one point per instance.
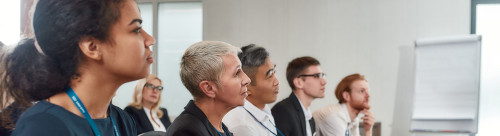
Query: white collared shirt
(308, 116)
(334, 120)
(241, 123)
(155, 126)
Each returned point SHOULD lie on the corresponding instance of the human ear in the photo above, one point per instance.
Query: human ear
(298, 83)
(346, 96)
(209, 88)
(90, 48)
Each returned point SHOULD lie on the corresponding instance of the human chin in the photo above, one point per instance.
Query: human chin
(366, 105)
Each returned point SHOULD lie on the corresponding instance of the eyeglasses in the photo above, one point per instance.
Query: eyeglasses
(151, 86)
(317, 75)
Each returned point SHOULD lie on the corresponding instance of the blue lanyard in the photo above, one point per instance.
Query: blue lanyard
(83, 110)
(223, 129)
(264, 125)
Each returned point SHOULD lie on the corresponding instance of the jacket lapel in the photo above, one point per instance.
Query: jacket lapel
(300, 112)
(148, 124)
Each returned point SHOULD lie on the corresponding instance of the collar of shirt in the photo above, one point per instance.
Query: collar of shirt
(350, 123)
(307, 113)
(147, 112)
(261, 115)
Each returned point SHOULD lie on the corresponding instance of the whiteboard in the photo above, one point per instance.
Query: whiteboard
(447, 73)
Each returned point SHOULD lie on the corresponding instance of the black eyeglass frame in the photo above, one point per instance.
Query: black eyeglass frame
(317, 75)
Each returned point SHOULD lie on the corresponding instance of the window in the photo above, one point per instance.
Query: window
(178, 25)
(485, 22)
(10, 11)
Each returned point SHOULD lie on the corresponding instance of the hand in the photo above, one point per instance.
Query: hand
(368, 121)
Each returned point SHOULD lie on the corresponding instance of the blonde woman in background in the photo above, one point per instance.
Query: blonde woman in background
(145, 107)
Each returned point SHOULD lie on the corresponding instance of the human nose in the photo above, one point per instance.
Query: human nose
(148, 39)
(246, 80)
(323, 81)
(275, 80)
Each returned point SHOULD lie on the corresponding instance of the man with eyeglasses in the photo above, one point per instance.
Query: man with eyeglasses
(342, 119)
(307, 80)
(254, 118)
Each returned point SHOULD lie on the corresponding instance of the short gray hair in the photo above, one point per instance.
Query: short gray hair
(203, 61)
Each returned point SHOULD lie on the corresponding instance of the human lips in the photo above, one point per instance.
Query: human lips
(154, 96)
(245, 92)
(150, 59)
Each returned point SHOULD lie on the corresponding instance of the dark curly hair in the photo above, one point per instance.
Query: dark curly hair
(58, 26)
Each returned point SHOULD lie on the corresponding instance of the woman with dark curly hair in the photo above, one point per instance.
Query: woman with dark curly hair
(82, 52)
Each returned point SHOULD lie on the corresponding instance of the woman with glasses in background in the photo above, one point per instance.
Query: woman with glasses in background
(145, 107)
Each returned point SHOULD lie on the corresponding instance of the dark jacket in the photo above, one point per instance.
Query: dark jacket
(141, 119)
(290, 118)
(193, 122)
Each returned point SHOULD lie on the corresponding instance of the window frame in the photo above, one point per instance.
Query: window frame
(155, 4)
(474, 4)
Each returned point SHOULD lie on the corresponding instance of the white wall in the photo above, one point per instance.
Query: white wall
(374, 38)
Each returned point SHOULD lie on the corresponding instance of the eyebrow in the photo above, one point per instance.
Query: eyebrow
(135, 20)
(267, 73)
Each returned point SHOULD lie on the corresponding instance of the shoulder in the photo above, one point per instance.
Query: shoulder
(131, 109)
(186, 120)
(284, 105)
(328, 112)
(121, 113)
(38, 120)
(123, 119)
(328, 109)
(236, 117)
(186, 124)
(164, 110)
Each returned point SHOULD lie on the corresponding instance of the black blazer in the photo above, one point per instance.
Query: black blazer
(141, 119)
(193, 122)
(290, 118)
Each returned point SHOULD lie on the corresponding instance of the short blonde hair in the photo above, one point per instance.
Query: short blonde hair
(203, 61)
(137, 97)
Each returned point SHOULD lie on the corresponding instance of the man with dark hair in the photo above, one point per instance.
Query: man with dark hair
(343, 118)
(307, 80)
(254, 118)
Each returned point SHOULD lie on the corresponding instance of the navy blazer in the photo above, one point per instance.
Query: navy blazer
(193, 122)
(141, 119)
(289, 117)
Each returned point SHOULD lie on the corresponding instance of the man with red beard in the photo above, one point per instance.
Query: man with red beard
(343, 119)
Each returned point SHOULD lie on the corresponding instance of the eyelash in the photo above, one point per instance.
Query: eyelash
(237, 73)
(138, 29)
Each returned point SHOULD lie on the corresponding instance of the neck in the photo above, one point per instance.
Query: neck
(304, 99)
(256, 103)
(353, 113)
(147, 105)
(95, 93)
(214, 111)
